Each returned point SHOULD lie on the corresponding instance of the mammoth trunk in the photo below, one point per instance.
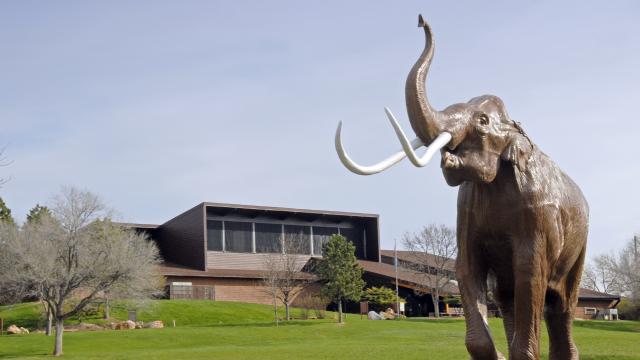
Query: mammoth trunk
(423, 118)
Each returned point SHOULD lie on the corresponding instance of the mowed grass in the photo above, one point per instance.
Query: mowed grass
(222, 330)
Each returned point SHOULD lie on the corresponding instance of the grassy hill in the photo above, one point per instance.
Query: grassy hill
(223, 330)
(184, 312)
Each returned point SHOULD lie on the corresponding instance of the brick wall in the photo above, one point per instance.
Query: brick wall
(579, 312)
(234, 289)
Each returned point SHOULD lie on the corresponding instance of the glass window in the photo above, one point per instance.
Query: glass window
(321, 236)
(214, 235)
(237, 236)
(297, 239)
(268, 238)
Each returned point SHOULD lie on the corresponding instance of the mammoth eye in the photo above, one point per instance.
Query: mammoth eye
(483, 119)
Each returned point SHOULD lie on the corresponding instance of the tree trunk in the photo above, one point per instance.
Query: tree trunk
(340, 311)
(275, 309)
(107, 313)
(286, 310)
(47, 330)
(435, 298)
(57, 350)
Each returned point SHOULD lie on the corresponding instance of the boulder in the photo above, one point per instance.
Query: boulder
(24, 330)
(125, 325)
(139, 324)
(158, 324)
(388, 314)
(14, 330)
(372, 315)
(89, 327)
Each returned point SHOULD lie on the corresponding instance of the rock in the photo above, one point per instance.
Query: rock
(125, 325)
(388, 314)
(372, 315)
(14, 330)
(89, 327)
(139, 324)
(158, 324)
(24, 331)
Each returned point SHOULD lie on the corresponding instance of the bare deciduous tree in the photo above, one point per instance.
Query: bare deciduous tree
(431, 254)
(618, 272)
(626, 265)
(67, 260)
(600, 275)
(270, 281)
(283, 276)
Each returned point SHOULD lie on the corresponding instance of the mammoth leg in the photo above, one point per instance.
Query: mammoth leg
(559, 315)
(530, 287)
(472, 278)
(504, 298)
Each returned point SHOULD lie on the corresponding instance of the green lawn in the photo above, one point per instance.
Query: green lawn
(221, 330)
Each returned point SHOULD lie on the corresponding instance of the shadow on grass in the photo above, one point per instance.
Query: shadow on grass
(20, 355)
(436, 321)
(613, 357)
(622, 326)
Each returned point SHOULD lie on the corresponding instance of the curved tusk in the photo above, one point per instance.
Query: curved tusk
(372, 169)
(437, 144)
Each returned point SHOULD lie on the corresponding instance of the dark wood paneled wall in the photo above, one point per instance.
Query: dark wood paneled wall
(181, 240)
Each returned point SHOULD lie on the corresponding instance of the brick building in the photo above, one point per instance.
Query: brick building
(217, 251)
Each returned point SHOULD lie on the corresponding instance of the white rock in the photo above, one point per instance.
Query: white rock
(372, 315)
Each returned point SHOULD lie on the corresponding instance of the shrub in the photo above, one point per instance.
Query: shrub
(380, 297)
(629, 310)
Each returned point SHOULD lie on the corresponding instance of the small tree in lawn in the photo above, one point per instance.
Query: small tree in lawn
(283, 276)
(271, 282)
(37, 213)
(69, 259)
(340, 272)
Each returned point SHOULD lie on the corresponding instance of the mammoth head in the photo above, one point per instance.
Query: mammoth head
(473, 137)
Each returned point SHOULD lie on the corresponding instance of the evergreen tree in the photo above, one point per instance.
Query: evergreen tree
(5, 213)
(340, 272)
(37, 213)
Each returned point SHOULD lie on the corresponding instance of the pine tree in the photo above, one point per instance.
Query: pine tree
(37, 213)
(340, 272)
(5, 213)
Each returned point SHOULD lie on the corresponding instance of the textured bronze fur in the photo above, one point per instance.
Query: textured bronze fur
(522, 222)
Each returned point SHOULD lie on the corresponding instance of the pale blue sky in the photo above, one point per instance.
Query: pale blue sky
(158, 106)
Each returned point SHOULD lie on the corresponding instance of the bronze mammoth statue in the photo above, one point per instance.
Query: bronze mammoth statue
(521, 220)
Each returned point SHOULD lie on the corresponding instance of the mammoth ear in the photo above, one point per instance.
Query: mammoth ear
(518, 151)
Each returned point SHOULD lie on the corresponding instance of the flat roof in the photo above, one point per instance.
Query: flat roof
(596, 295)
(421, 258)
(138, 226)
(420, 279)
(290, 210)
